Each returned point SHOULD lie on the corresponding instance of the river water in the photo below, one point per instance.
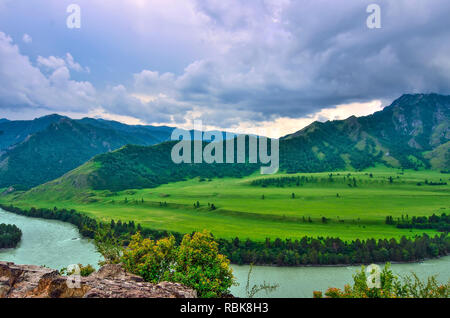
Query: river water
(56, 244)
(52, 243)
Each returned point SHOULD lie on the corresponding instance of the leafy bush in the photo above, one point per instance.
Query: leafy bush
(200, 266)
(391, 286)
(152, 260)
(196, 263)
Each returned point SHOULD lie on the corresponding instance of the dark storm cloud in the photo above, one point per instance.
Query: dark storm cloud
(253, 60)
(301, 56)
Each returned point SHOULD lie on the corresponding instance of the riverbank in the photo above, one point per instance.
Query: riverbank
(307, 251)
(300, 282)
(58, 244)
(51, 243)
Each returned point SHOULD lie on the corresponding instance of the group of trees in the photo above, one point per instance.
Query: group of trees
(432, 183)
(332, 178)
(440, 223)
(10, 235)
(326, 148)
(298, 181)
(211, 206)
(306, 251)
(148, 167)
(323, 251)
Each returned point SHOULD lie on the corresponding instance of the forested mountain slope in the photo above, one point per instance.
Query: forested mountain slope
(64, 145)
(413, 132)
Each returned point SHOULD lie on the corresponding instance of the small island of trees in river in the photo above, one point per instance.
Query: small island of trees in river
(10, 235)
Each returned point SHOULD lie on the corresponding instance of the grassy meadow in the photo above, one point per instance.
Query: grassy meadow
(246, 210)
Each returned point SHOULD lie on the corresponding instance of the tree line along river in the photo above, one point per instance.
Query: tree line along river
(56, 244)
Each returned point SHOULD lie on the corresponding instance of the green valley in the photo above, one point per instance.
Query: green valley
(245, 208)
(40, 150)
(155, 149)
(341, 185)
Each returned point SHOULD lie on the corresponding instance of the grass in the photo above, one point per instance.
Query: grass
(357, 212)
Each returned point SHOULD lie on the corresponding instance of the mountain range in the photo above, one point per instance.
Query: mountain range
(40, 150)
(412, 133)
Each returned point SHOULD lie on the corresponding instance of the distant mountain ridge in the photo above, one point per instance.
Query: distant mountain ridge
(43, 149)
(15, 131)
(413, 132)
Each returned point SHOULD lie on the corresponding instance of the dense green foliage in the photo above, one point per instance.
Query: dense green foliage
(326, 147)
(391, 286)
(10, 235)
(199, 265)
(195, 263)
(324, 251)
(154, 261)
(136, 167)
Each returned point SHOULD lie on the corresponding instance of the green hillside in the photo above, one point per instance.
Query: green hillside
(14, 132)
(412, 133)
(402, 135)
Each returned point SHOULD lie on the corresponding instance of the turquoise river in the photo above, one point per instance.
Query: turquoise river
(57, 244)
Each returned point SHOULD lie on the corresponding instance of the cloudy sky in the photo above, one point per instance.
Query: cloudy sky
(235, 64)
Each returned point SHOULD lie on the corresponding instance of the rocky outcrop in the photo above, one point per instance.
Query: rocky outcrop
(8, 190)
(111, 281)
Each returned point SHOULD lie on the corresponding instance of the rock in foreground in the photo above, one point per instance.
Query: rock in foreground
(111, 281)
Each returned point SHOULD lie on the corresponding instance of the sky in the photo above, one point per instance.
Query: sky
(259, 66)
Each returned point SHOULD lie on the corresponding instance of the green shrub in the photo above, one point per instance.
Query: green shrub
(152, 260)
(195, 263)
(391, 286)
(200, 266)
(84, 270)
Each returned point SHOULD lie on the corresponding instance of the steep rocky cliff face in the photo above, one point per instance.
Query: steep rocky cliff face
(111, 281)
